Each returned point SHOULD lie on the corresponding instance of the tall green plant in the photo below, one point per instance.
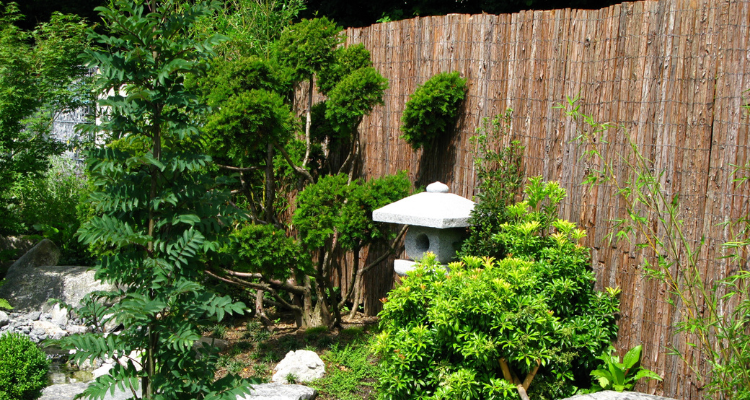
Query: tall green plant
(159, 211)
(673, 259)
(500, 175)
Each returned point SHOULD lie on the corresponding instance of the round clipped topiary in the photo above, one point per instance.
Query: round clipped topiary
(23, 368)
(432, 109)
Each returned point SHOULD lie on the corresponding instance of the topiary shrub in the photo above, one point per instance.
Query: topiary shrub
(529, 324)
(432, 109)
(23, 368)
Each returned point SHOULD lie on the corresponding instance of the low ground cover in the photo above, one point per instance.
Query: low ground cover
(253, 352)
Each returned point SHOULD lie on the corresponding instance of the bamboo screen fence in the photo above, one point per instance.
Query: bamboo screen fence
(671, 72)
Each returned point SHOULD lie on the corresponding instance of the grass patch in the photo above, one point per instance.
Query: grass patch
(350, 371)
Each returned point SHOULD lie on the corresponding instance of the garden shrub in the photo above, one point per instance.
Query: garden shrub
(23, 368)
(500, 176)
(450, 333)
(432, 109)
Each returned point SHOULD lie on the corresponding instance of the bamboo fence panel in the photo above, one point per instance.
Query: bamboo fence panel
(672, 73)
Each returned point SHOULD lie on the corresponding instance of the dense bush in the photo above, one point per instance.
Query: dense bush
(23, 368)
(458, 333)
(432, 109)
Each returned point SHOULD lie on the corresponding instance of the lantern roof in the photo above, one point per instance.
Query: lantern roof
(435, 208)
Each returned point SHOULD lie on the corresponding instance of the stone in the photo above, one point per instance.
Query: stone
(103, 370)
(402, 267)
(4, 319)
(612, 395)
(43, 254)
(278, 391)
(305, 365)
(433, 209)
(29, 289)
(70, 390)
(59, 315)
(444, 243)
(33, 316)
(51, 330)
(220, 343)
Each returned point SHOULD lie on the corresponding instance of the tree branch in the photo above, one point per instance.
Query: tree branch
(302, 171)
(391, 250)
(238, 169)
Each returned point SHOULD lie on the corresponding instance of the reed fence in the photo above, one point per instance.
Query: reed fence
(672, 72)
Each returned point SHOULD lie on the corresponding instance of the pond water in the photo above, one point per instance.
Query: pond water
(60, 372)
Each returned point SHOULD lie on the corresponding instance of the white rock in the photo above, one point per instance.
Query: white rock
(277, 391)
(59, 315)
(53, 331)
(4, 319)
(305, 365)
(612, 395)
(103, 370)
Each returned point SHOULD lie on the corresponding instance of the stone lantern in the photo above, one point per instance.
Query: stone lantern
(437, 221)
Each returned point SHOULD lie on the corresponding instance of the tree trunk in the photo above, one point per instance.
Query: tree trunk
(308, 123)
(270, 189)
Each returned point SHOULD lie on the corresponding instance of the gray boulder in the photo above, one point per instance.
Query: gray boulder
(4, 319)
(44, 254)
(28, 289)
(69, 390)
(277, 391)
(305, 365)
(612, 395)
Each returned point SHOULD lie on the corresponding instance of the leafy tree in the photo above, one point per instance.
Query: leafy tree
(331, 214)
(252, 134)
(305, 49)
(40, 75)
(160, 212)
(432, 109)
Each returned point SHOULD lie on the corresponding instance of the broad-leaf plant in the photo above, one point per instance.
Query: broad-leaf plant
(158, 211)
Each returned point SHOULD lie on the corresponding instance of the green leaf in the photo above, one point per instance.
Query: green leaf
(632, 357)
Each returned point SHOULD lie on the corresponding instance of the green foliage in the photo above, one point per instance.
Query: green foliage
(432, 109)
(245, 124)
(231, 77)
(23, 368)
(156, 209)
(354, 97)
(332, 204)
(265, 249)
(350, 370)
(446, 333)
(251, 25)
(500, 176)
(347, 60)
(50, 205)
(620, 376)
(40, 75)
(307, 46)
(654, 223)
